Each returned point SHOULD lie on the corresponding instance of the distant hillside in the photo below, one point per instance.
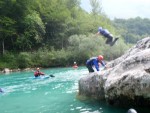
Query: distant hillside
(132, 29)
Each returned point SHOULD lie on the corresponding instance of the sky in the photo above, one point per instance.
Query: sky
(123, 9)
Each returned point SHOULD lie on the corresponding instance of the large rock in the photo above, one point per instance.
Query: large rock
(126, 81)
(92, 86)
(7, 70)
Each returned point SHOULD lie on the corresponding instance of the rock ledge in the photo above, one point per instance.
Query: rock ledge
(126, 82)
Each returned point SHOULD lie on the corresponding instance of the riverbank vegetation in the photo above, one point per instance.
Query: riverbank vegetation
(51, 33)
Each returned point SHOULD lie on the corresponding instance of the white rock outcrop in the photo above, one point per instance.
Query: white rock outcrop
(126, 81)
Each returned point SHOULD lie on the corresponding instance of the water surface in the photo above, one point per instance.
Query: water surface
(24, 94)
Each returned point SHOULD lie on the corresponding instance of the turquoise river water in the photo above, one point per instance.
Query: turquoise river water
(24, 94)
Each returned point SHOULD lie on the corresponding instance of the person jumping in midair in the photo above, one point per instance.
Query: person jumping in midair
(110, 39)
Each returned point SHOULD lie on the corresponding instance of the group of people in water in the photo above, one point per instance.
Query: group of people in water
(38, 73)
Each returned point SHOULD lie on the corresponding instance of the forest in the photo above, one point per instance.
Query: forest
(55, 33)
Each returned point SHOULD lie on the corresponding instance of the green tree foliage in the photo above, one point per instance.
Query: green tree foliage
(54, 33)
(96, 7)
(24, 60)
(6, 30)
(49, 22)
(34, 31)
(132, 29)
(84, 47)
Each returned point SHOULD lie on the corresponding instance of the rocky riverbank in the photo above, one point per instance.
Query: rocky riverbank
(125, 82)
(7, 70)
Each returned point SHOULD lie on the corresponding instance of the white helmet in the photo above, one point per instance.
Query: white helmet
(131, 111)
(100, 28)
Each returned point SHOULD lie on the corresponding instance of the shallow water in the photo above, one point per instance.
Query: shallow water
(24, 94)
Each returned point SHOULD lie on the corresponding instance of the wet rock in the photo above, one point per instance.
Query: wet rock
(6, 70)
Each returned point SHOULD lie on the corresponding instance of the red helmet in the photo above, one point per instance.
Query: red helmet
(100, 57)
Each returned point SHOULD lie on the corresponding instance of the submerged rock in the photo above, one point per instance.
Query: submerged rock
(126, 81)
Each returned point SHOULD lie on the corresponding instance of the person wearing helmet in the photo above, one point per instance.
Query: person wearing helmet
(131, 111)
(104, 32)
(38, 73)
(75, 65)
(93, 63)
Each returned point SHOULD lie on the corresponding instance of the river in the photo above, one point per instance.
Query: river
(24, 94)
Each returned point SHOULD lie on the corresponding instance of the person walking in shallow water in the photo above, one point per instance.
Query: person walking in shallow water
(110, 39)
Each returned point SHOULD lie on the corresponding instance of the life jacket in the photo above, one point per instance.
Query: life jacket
(37, 73)
(104, 32)
(75, 66)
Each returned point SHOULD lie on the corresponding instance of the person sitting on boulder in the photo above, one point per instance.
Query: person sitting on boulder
(93, 63)
(38, 73)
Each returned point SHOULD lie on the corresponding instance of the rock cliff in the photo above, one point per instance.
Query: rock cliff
(126, 81)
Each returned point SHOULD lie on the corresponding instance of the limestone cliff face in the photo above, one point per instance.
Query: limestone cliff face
(126, 81)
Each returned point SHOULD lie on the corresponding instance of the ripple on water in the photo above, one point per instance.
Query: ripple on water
(53, 95)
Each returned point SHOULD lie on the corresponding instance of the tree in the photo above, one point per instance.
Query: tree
(96, 7)
(132, 29)
(6, 30)
(34, 30)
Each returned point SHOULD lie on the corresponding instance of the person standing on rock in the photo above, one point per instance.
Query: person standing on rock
(93, 64)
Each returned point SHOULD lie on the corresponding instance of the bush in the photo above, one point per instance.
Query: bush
(24, 60)
(8, 60)
(80, 49)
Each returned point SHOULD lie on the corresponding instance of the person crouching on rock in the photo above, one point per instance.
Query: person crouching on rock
(93, 64)
(38, 73)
